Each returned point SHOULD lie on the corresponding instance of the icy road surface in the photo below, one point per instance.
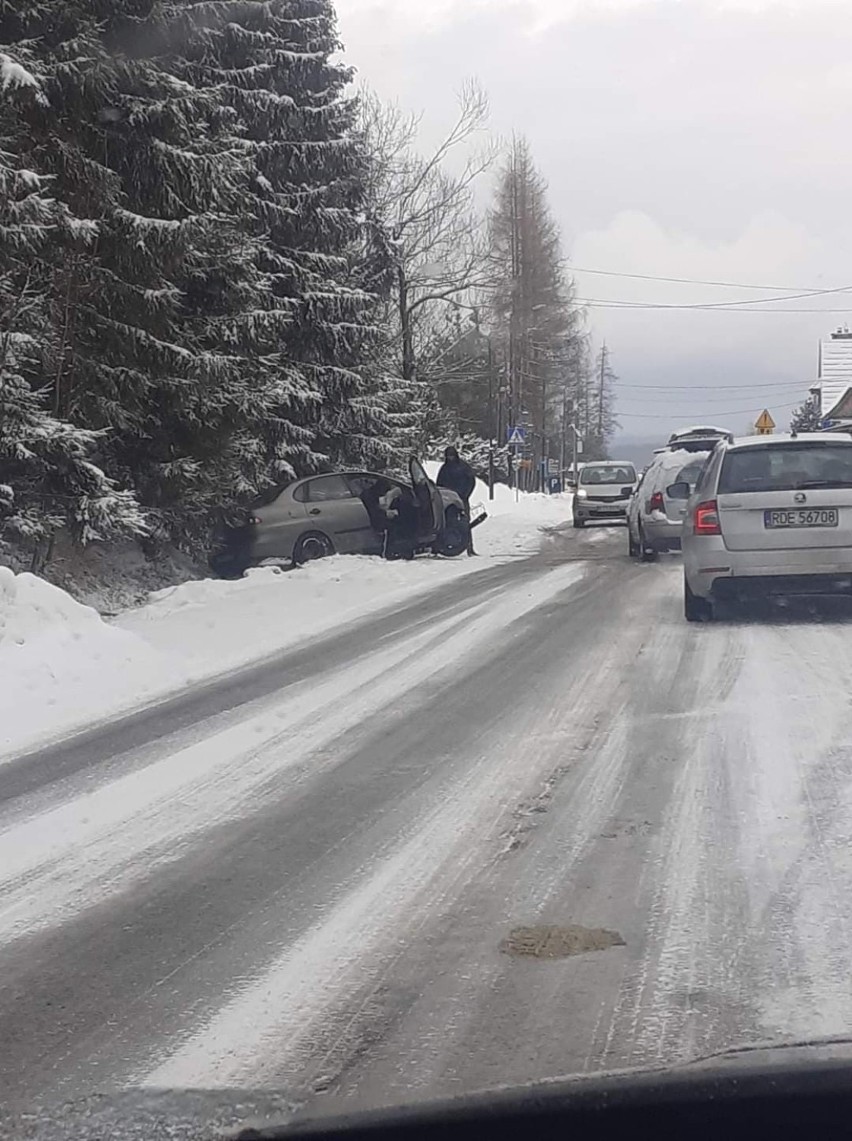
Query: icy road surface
(302, 877)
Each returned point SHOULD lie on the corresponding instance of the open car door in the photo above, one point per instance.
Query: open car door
(430, 506)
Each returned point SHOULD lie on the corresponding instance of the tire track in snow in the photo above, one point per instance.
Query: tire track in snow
(76, 855)
(749, 916)
(266, 1033)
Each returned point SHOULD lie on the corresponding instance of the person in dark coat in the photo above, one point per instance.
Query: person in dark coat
(457, 475)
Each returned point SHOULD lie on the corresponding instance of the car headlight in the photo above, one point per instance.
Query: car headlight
(582, 494)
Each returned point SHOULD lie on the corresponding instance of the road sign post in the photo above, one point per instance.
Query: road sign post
(516, 438)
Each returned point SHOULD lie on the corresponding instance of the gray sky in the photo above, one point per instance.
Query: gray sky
(683, 138)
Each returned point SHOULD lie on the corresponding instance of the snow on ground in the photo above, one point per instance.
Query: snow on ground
(64, 667)
(216, 625)
(61, 665)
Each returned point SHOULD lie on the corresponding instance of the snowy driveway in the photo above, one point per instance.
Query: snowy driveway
(304, 876)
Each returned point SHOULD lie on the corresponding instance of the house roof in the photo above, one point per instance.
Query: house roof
(842, 410)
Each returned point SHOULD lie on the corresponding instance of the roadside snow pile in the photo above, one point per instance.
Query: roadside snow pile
(218, 625)
(513, 527)
(214, 625)
(61, 665)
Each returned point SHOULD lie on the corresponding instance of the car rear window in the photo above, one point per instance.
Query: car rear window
(600, 473)
(786, 467)
(691, 473)
(268, 496)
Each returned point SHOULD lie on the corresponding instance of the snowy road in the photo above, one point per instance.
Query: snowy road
(302, 876)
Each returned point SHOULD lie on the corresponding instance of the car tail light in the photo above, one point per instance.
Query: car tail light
(705, 521)
(657, 502)
(254, 519)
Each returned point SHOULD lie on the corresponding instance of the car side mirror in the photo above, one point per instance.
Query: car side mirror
(679, 490)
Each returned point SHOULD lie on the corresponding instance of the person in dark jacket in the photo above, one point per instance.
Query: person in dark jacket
(457, 475)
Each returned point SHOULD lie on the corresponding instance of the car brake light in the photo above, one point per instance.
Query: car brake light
(705, 521)
(657, 502)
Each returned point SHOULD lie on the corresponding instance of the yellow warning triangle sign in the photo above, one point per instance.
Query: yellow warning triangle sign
(764, 422)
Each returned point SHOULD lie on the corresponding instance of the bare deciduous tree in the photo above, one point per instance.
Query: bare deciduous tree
(424, 208)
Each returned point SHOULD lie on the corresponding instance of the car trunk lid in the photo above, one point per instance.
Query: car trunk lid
(786, 496)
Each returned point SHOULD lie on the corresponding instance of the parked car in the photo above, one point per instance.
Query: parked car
(654, 516)
(340, 513)
(603, 491)
(771, 515)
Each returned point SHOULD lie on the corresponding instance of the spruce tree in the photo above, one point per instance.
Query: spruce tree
(301, 210)
(47, 476)
(208, 293)
(807, 417)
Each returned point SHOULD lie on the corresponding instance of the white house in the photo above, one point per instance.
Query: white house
(835, 371)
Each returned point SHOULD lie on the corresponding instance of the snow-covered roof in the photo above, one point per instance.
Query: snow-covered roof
(835, 371)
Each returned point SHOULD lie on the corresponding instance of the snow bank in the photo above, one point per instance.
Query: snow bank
(217, 625)
(62, 666)
(515, 520)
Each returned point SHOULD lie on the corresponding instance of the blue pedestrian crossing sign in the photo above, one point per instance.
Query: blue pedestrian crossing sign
(517, 436)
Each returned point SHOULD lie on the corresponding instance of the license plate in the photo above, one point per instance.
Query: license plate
(802, 517)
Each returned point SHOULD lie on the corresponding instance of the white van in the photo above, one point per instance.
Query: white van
(603, 491)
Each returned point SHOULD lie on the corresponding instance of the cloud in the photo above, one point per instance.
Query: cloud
(769, 353)
(695, 139)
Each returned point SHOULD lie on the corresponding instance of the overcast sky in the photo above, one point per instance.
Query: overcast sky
(705, 139)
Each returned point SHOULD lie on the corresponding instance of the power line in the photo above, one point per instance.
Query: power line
(746, 306)
(693, 280)
(710, 387)
(707, 396)
(730, 412)
(683, 401)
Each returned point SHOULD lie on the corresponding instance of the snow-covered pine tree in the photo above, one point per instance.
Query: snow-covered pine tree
(47, 477)
(112, 306)
(208, 290)
(807, 417)
(270, 61)
(166, 341)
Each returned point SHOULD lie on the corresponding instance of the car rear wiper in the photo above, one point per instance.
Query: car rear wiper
(810, 484)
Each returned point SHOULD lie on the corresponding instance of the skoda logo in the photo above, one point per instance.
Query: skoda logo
(800, 497)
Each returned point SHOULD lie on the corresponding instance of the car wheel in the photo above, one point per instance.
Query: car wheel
(647, 553)
(696, 609)
(453, 540)
(310, 546)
